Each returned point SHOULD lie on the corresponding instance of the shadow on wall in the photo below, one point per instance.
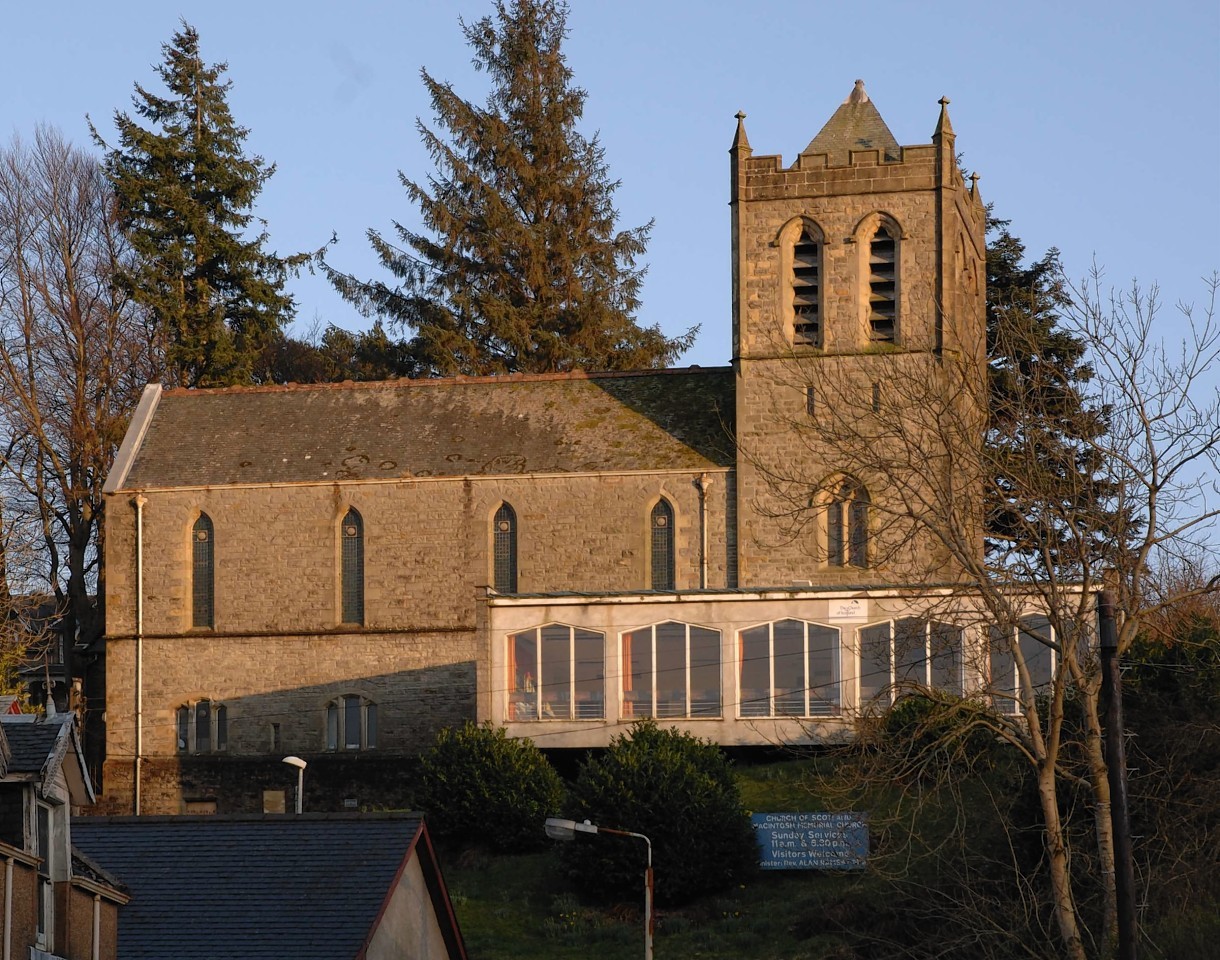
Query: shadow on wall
(360, 738)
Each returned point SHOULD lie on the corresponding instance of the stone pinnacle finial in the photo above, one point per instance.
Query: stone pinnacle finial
(741, 143)
(858, 94)
(943, 126)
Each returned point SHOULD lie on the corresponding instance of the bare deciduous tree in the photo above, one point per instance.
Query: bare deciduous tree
(1140, 496)
(74, 355)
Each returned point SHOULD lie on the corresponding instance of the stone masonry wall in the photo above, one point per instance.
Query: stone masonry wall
(778, 461)
(278, 654)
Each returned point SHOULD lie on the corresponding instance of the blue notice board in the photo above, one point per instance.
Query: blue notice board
(812, 841)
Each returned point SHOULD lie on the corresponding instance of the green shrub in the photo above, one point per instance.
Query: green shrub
(480, 788)
(679, 791)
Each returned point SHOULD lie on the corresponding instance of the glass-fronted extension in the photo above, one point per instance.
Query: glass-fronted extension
(739, 668)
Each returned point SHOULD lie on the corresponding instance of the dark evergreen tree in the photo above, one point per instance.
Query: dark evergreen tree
(1050, 502)
(523, 268)
(335, 356)
(185, 189)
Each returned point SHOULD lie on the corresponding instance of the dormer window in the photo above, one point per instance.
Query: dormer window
(882, 286)
(806, 289)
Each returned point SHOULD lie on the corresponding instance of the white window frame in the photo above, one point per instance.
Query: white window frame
(628, 706)
(836, 682)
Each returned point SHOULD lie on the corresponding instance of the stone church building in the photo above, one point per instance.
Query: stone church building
(338, 571)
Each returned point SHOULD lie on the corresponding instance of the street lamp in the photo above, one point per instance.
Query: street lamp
(559, 829)
(300, 765)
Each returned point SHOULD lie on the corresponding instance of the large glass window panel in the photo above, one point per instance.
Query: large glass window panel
(523, 654)
(789, 668)
(590, 652)
(874, 662)
(556, 672)
(756, 672)
(1003, 685)
(945, 641)
(704, 672)
(671, 670)
(823, 670)
(638, 675)
(911, 652)
(788, 656)
(1036, 636)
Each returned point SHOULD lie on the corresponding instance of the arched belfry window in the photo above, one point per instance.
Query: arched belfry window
(352, 567)
(807, 288)
(883, 285)
(847, 526)
(504, 550)
(203, 573)
(662, 545)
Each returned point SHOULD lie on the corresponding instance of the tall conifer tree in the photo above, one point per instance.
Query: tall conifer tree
(523, 268)
(185, 188)
(1041, 418)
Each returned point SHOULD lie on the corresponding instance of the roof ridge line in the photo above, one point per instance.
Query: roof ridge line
(410, 382)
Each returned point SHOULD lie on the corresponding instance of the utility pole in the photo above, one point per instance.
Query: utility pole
(1116, 761)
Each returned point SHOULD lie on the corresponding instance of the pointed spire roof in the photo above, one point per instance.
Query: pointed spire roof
(856, 125)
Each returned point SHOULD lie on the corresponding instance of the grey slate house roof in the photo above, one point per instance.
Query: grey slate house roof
(286, 887)
(34, 740)
(40, 747)
(470, 426)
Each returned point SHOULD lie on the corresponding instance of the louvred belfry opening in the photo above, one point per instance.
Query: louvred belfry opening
(882, 278)
(806, 291)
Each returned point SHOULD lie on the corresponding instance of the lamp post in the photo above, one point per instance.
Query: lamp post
(300, 765)
(559, 829)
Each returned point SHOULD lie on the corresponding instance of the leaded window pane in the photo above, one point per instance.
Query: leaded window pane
(184, 729)
(203, 726)
(203, 556)
(332, 726)
(370, 725)
(504, 549)
(351, 723)
(222, 727)
(662, 546)
(353, 568)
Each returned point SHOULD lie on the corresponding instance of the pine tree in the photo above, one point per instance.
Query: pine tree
(1041, 423)
(185, 188)
(524, 269)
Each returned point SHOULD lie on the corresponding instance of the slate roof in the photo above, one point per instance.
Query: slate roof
(551, 423)
(33, 739)
(250, 888)
(856, 125)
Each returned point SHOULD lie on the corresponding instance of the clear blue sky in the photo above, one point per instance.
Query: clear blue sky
(1095, 125)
